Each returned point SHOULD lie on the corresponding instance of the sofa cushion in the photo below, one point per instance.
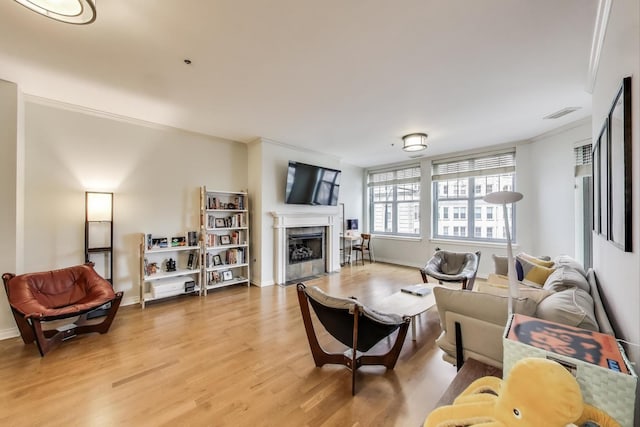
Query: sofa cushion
(531, 272)
(566, 260)
(496, 286)
(573, 307)
(500, 265)
(565, 277)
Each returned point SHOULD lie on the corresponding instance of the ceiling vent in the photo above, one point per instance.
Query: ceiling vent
(562, 113)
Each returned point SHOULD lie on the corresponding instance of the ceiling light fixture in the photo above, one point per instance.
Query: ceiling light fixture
(415, 142)
(69, 11)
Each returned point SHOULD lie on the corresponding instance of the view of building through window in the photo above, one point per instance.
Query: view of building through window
(487, 221)
(459, 185)
(395, 201)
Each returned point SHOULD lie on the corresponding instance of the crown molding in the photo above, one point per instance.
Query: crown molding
(599, 32)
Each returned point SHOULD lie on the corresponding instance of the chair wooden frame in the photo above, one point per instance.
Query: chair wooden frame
(362, 247)
(351, 358)
(31, 325)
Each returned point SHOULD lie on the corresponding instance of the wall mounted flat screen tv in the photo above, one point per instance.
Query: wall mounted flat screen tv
(312, 185)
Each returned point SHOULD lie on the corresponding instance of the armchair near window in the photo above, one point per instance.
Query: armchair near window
(445, 266)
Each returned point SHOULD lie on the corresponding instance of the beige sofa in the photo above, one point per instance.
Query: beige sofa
(569, 296)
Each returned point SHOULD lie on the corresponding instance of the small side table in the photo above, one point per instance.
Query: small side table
(471, 371)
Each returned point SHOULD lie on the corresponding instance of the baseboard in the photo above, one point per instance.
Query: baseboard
(9, 333)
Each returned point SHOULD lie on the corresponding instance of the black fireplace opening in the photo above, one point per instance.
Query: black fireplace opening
(305, 247)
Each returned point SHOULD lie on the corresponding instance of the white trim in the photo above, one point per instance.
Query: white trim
(5, 334)
(473, 243)
(282, 221)
(599, 32)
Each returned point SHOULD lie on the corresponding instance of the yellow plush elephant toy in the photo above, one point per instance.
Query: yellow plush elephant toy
(537, 392)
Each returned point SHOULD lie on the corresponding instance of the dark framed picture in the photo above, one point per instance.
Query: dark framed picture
(217, 260)
(225, 239)
(595, 179)
(603, 179)
(220, 223)
(619, 172)
(227, 275)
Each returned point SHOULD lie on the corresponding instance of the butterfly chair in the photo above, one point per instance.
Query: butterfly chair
(447, 266)
(355, 326)
(37, 299)
(363, 247)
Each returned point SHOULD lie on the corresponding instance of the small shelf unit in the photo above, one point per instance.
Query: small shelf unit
(160, 284)
(224, 235)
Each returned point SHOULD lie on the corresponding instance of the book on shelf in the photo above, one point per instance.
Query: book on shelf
(419, 290)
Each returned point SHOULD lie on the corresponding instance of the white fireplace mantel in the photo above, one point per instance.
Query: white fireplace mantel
(284, 220)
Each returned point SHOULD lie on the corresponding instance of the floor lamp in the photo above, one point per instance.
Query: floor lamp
(503, 198)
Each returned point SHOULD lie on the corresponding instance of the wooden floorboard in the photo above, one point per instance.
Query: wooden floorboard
(236, 357)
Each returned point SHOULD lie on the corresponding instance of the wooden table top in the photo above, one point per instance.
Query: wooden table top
(471, 371)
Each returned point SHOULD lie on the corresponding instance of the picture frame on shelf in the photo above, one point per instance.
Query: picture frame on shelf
(178, 241)
(219, 222)
(215, 277)
(217, 260)
(227, 275)
(225, 239)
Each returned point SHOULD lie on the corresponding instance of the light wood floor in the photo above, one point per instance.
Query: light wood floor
(237, 357)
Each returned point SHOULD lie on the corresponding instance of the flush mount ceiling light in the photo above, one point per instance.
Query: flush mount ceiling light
(69, 11)
(415, 142)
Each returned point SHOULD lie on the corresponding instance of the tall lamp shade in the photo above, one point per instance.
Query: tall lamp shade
(99, 206)
(505, 198)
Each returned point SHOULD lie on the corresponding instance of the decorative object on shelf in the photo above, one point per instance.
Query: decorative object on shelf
(178, 241)
(219, 223)
(503, 198)
(225, 239)
(171, 264)
(152, 268)
(68, 11)
(159, 242)
(227, 275)
(192, 238)
(414, 142)
(189, 286)
(217, 260)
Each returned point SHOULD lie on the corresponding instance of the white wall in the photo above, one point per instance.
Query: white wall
(9, 178)
(618, 271)
(552, 199)
(154, 171)
(269, 160)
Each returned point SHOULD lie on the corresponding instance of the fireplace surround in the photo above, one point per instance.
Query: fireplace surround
(304, 223)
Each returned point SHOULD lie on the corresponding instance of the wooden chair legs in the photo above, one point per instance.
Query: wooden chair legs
(351, 358)
(47, 340)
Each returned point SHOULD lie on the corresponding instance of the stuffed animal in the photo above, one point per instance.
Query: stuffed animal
(537, 392)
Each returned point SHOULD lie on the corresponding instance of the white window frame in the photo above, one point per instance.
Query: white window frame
(393, 179)
(472, 172)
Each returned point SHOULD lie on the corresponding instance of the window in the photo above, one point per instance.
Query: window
(445, 212)
(445, 230)
(394, 201)
(461, 183)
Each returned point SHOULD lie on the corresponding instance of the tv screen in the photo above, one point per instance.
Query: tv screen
(312, 185)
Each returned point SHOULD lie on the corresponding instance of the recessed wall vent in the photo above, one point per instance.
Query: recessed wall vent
(561, 113)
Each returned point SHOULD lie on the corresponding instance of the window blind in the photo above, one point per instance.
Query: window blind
(479, 165)
(405, 175)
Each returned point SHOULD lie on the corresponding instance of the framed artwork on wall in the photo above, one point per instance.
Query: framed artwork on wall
(600, 182)
(619, 168)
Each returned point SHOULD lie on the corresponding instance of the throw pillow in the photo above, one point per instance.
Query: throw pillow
(532, 273)
(536, 260)
(501, 264)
